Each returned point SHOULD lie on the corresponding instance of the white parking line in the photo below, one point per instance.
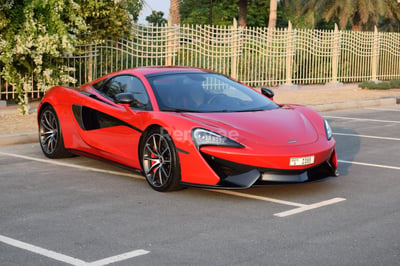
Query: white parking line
(302, 207)
(67, 259)
(244, 195)
(121, 257)
(55, 162)
(366, 136)
(362, 119)
(41, 251)
(370, 164)
(309, 207)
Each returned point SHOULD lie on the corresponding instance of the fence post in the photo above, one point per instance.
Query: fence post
(375, 56)
(169, 43)
(233, 73)
(289, 56)
(173, 36)
(335, 54)
(90, 64)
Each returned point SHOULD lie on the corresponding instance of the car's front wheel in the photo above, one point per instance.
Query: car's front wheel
(160, 161)
(50, 135)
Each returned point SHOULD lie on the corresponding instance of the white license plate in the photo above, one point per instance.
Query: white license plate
(296, 161)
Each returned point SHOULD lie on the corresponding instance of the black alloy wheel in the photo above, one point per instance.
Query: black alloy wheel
(50, 135)
(160, 161)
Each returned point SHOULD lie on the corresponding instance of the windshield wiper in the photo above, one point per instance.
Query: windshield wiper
(178, 110)
(252, 110)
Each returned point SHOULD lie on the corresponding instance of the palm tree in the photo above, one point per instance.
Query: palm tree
(242, 13)
(273, 5)
(358, 13)
(156, 18)
(174, 13)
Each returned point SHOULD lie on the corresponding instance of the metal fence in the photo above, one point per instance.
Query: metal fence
(256, 56)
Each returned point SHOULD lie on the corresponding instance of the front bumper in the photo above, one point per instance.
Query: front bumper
(238, 176)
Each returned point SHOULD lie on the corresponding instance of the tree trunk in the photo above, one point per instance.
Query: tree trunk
(273, 6)
(357, 24)
(242, 13)
(174, 12)
(210, 14)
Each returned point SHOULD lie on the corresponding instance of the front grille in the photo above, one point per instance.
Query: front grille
(224, 168)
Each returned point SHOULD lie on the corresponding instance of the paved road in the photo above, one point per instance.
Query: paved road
(78, 211)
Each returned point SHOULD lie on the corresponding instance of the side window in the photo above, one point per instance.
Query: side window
(114, 86)
(136, 87)
(128, 84)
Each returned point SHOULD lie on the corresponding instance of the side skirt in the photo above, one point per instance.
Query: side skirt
(98, 158)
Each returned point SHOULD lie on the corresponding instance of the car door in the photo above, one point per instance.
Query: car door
(114, 129)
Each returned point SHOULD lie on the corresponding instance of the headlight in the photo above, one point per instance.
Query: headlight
(203, 137)
(328, 130)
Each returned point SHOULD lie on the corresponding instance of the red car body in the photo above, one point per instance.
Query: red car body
(287, 143)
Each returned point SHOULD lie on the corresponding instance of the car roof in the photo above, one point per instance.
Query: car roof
(150, 70)
(160, 69)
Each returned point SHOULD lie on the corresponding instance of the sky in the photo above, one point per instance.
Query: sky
(156, 5)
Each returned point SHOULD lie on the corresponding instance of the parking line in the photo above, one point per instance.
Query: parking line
(244, 195)
(309, 207)
(41, 251)
(67, 259)
(301, 207)
(370, 164)
(366, 136)
(362, 119)
(121, 257)
(55, 162)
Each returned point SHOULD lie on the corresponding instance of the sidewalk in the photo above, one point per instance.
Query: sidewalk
(16, 128)
(332, 97)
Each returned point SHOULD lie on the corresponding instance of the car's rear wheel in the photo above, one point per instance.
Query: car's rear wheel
(50, 135)
(160, 161)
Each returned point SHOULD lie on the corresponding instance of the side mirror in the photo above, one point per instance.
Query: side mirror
(268, 92)
(124, 98)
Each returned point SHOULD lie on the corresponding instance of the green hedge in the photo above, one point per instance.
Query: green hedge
(385, 85)
(395, 83)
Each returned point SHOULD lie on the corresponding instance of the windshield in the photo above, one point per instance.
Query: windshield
(206, 92)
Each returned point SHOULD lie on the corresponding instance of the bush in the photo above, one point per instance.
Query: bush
(395, 84)
(372, 85)
(365, 84)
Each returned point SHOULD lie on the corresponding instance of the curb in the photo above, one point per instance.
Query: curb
(8, 110)
(21, 138)
(354, 105)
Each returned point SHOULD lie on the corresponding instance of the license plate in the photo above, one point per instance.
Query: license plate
(296, 161)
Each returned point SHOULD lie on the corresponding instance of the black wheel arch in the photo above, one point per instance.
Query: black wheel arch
(142, 139)
(43, 107)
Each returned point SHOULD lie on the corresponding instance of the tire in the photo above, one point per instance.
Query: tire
(50, 135)
(160, 161)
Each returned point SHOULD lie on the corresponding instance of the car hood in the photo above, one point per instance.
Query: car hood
(275, 127)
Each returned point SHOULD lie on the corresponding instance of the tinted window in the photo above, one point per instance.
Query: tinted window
(206, 92)
(125, 84)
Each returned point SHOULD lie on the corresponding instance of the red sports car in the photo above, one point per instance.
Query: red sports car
(183, 126)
